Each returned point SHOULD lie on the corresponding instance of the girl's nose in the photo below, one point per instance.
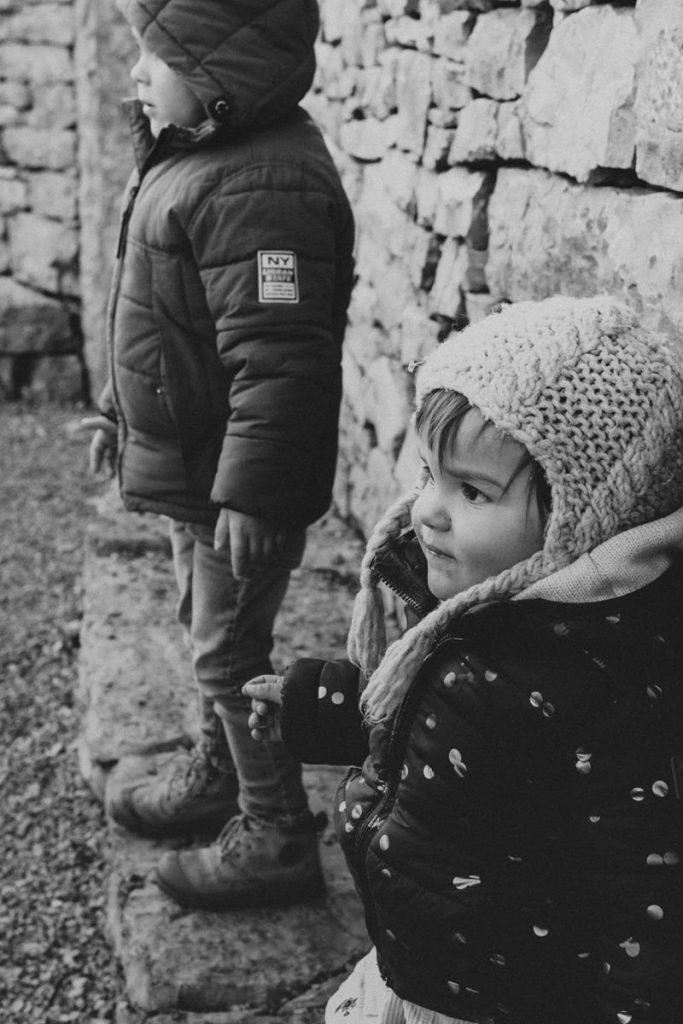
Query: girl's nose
(431, 510)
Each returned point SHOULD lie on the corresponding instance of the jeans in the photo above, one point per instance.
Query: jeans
(229, 627)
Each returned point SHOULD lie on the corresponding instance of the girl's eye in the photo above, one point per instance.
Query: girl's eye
(427, 471)
(473, 494)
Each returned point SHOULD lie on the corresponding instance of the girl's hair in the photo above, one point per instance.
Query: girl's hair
(438, 420)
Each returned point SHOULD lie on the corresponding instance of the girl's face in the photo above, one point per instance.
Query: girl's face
(476, 515)
(165, 97)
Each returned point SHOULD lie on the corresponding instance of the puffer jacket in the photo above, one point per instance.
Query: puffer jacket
(516, 834)
(229, 299)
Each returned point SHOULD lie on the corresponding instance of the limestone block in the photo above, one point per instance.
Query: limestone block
(411, 33)
(437, 148)
(426, 197)
(366, 342)
(394, 289)
(448, 88)
(5, 260)
(391, 403)
(445, 7)
(356, 388)
(502, 50)
(369, 139)
(452, 33)
(566, 6)
(459, 196)
(13, 191)
(414, 97)
(477, 133)
(398, 175)
(329, 116)
(550, 235)
(373, 42)
(373, 487)
(44, 148)
(44, 253)
(659, 93)
(417, 334)
(395, 8)
(445, 298)
(509, 136)
(40, 23)
(15, 94)
(31, 323)
(332, 20)
(592, 55)
(379, 217)
(419, 254)
(47, 63)
(364, 308)
(376, 92)
(329, 71)
(54, 106)
(54, 194)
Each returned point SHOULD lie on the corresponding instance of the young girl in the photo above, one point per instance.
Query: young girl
(516, 829)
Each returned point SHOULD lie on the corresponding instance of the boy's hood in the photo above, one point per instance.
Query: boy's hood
(250, 62)
(620, 566)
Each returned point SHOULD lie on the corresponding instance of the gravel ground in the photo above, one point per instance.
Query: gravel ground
(55, 962)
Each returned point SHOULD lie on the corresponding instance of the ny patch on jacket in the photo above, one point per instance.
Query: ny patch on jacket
(277, 276)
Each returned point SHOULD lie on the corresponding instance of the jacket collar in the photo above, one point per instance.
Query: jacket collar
(149, 150)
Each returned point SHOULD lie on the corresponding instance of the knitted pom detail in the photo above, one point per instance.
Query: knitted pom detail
(367, 639)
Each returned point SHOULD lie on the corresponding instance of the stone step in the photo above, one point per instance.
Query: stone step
(195, 967)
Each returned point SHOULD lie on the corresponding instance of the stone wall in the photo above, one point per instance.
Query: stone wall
(494, 151)
(39, 281)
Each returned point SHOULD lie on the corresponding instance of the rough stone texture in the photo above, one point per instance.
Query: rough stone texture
(44, 253)
(502, 50)
(103, 56)
(549, 235)
(590, 55)
(30, 323)
(659, 97)
(250, 965)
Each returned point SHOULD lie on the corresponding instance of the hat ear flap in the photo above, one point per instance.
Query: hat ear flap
(366, 642)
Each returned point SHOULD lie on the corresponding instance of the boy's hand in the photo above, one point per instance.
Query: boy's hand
(253, 541)
(266, 698)
(104, 444)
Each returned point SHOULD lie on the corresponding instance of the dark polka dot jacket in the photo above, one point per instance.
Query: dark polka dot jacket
(516, 834)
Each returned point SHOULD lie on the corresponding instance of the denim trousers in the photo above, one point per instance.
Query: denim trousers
(228, 624)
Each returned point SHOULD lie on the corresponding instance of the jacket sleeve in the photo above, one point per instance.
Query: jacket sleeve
(269, 259)
(105, 403)
(320, 718)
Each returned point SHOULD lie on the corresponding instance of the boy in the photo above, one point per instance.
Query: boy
(225, 327)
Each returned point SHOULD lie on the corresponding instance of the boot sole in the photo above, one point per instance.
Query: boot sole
(280, 895)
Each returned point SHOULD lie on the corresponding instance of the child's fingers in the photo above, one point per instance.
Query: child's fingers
(264, 688)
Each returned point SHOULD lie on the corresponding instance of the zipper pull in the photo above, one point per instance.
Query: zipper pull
(125, 218)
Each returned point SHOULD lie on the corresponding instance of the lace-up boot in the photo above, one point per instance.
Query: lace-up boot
(251, 864)
(173, 793)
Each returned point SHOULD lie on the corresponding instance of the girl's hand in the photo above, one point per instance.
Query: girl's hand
(266, 698)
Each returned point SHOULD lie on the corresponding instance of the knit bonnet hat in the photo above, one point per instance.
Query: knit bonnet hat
(596, 400)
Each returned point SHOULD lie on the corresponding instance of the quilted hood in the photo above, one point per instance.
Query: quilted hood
(249, 61)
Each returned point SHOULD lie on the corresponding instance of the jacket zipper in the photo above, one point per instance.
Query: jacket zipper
(396, 747)
(125, 219)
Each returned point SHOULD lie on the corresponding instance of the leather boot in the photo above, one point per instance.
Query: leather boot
(251, 864)
(173, 793)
